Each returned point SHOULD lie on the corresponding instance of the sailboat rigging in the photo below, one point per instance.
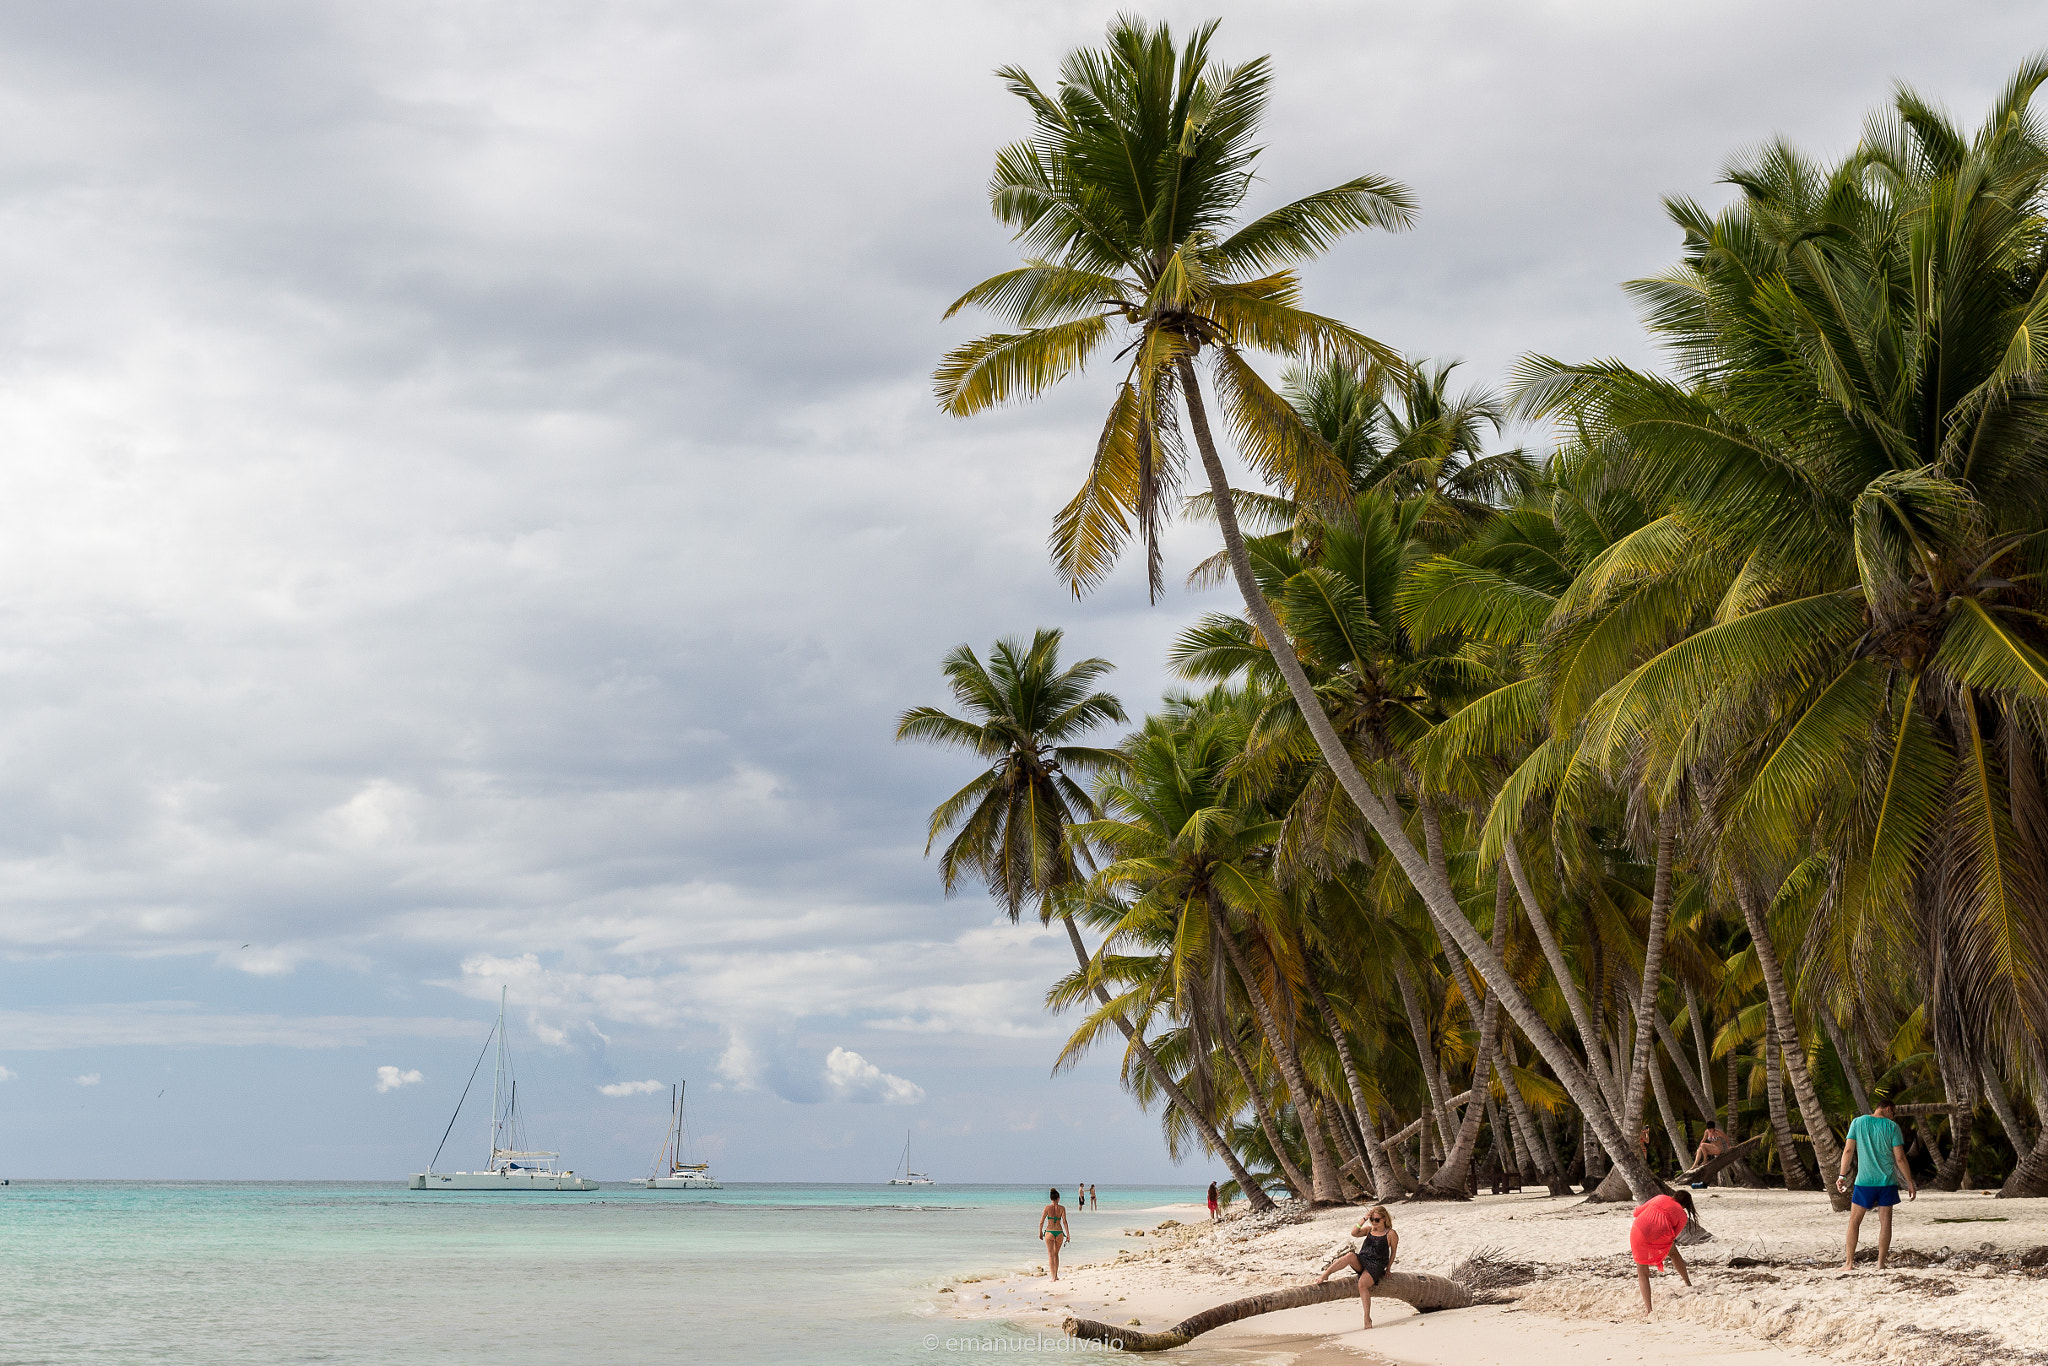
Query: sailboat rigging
(671, 1172)
(513, 1167)
(904, 1175)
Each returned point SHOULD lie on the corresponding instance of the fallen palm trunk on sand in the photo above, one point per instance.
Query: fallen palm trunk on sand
(1426, 1293)
(1610, 1192)
(1713, 1166)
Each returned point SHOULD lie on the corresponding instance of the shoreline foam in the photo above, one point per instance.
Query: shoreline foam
(1959, 1291)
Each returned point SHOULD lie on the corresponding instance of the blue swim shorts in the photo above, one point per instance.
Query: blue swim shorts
(1874, 1197)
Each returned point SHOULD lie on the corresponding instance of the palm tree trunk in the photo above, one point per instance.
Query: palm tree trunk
(1645, 1053)
(1956, 1090)
(1827, 1153)
(1567, 985)
(1450, 1181)
(1436, 893)
(1705, 1054)
(2001, 1105)
(1737, 1173)
(1672, 1129)
(1695, 1086)
(1323, 1188)
(1342, 1149)
(2029, 1179)
(1534, 1126)
(1268, 1125)
(1450, 1178)
(1676, 1054)
(1425, 1047)
(1376, 1153)
(1789, 1161)
(1851, 1073)
(1253, 1192)
(1425, 1292)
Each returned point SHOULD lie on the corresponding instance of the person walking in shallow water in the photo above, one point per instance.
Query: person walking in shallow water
(1052, 1227)
(1374, 1257)
(1653, 1236)
(1878, 1147)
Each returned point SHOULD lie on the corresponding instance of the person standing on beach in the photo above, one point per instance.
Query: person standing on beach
(1878, 1147)
(1091, 1196)
(1375, 1255)
(1653, 1236)
(1052, 1227)
(1215, 1211)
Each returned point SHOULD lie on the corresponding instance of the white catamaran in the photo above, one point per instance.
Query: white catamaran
(671, 1173)
(904, 1176)
(512, 1167)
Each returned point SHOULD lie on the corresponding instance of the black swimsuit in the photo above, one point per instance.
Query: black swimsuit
(1374, 1256)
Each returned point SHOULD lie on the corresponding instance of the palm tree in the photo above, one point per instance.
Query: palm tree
(1011, 823)
(1126, 197)
(1024, 713)
(1857, 433)
(1190, 849)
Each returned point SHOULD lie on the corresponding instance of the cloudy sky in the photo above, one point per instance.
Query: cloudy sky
(471, 507)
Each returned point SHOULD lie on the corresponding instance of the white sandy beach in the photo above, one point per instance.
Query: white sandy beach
(1960, 1291)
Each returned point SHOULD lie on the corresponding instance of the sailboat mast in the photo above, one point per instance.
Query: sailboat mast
(498, 1078)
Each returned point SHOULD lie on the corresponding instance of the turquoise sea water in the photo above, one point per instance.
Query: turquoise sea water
(276, 1272)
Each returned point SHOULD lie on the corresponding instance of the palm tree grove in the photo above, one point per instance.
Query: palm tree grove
(1579, 763)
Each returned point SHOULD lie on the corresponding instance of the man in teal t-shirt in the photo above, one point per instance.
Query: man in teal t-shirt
(1878, 1148)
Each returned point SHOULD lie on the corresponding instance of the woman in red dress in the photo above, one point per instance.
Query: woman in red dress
(1653, 1236)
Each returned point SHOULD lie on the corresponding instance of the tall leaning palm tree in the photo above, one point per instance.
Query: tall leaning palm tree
(1126, 196)
(1011, 824)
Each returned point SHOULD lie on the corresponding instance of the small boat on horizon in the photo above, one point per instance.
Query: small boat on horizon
(512, 1167)
(905, 1176)
(671, 1172)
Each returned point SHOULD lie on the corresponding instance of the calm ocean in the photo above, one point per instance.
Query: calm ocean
(272, 1272)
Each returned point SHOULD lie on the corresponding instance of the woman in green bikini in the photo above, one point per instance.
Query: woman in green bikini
(1052, 1226)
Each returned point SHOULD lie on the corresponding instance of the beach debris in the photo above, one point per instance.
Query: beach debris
(1134, 1233)
(1167, 1224)
(1489, 1268)
(1932, 1287)
(1426, 1293)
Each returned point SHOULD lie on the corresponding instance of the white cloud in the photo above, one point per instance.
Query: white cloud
(180, 1024)
(631, 1088)
(390, 1078)
(8, 1074)
(89, 1079)
(849, 1076)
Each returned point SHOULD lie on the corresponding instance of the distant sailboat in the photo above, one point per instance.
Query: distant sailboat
(671, 1172)
(512, 1168)
(905, 1176)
